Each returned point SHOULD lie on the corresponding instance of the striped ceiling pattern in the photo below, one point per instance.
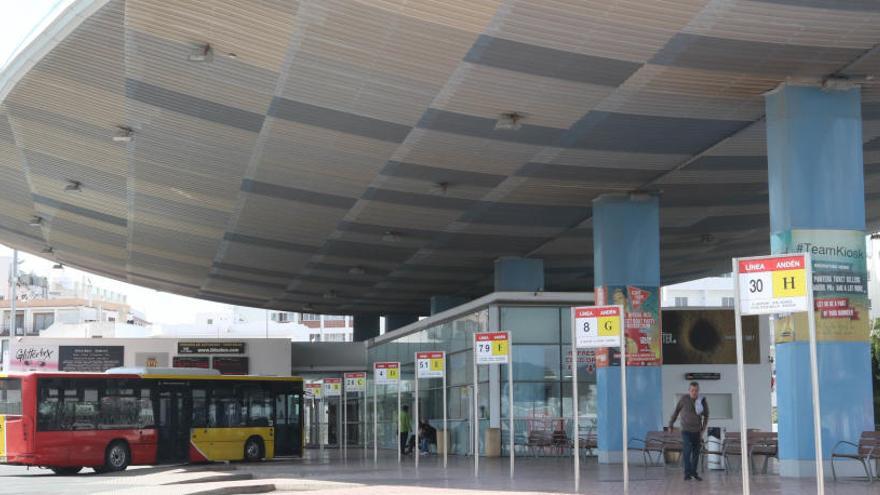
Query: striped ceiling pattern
(342, 156)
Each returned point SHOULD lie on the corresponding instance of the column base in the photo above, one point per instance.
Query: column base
(800, 468)
(616, 457)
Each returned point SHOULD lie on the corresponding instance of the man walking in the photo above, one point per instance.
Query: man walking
(405, 426)
(694, 413)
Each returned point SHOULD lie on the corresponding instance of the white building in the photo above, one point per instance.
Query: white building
(711, 292)
(244, 322)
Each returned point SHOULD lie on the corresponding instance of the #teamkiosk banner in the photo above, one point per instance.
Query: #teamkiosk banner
(840, 285)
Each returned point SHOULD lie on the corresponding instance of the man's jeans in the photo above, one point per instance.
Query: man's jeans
(691, 446)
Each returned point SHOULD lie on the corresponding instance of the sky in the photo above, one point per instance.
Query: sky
(20, 21)
(158, 307)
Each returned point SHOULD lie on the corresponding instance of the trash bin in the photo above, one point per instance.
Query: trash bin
(713, 444)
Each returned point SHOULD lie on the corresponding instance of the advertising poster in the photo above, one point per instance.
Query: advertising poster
(840, 285)
(210, 347)
(641, 321)
(34, 357)
(84, 358)
(708, 336)
(586, 362)
(191, 362)
(230, 365)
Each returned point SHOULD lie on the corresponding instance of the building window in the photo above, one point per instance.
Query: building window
(727, 302)
(310, 317)
(281, 317)
(210, 321)
(43, 321)
(681, 302)
(333, 317)
(314, 337)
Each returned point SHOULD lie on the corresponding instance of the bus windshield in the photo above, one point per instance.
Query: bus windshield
(10, 396)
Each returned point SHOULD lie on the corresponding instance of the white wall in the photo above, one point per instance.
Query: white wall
(266, 356)
(757, 377)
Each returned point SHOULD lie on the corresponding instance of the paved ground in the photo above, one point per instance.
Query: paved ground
(329, 474)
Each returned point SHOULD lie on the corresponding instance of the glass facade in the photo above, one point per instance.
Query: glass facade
(541, 336)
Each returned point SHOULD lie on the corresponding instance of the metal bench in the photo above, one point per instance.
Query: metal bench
(539, 439)
(659, 443)
(867, 451)
(587, 441)
(763, 443)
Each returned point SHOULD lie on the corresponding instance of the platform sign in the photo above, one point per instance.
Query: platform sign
(313, 390)
(430, 364)
(772, 284)
(355, 382)
(332, 387)
(492, 348)
(352, 382)
(597, 326)
(386, 373)
(769, 285)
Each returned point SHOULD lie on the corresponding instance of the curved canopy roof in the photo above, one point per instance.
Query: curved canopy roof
(343, 155)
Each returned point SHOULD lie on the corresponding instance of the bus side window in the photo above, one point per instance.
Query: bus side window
(224, 408)
(200, 408)
(49, 413)
(259, 402)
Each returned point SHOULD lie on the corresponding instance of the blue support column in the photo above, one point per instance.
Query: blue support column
(399, 320)
(817, 204)
(626, 253)
(519, 274)
(366, 326)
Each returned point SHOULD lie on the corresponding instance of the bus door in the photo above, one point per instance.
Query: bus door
(173, 418)
(288, 433)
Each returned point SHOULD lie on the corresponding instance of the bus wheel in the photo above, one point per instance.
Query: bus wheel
(253, 449)
(66, 471)
(117, 457)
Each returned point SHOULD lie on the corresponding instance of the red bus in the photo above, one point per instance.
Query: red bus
(107, 421)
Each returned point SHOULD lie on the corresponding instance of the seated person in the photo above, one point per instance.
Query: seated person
(427, 436)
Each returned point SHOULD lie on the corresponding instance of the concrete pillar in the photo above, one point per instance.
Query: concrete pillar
(440, 304)
(626, 254)
(399, 320)
(817, 204)
(519, 274)
(366, 326)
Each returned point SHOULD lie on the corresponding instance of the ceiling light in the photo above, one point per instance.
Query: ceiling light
(308, 307)
(73, 186)
(330, 294)
(123, 134)
(509, 121)
(390, 236)
(356, 270)
(203, 53)
(48, 250)
(36, 221)
(707, 239)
